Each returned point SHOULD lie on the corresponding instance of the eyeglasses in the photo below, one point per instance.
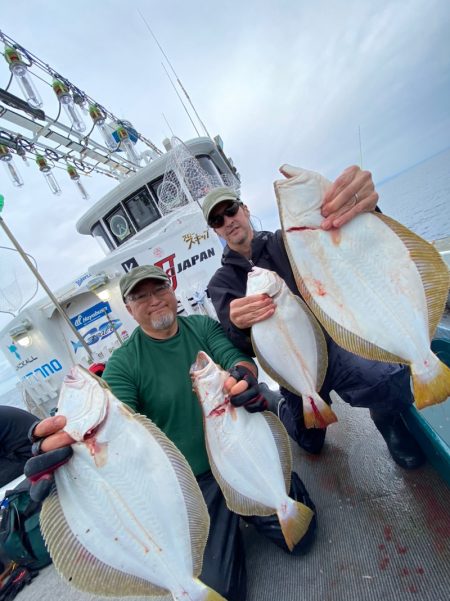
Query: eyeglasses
(218, 219)
(157, 292)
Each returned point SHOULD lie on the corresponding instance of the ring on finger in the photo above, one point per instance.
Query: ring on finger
(355, 199)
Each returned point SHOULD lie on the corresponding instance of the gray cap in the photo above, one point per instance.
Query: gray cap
(138, 274)
(216, 196)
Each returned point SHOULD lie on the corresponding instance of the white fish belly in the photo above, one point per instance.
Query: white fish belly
(366, 282)
(287, 343)
(245, 453)
(130, 512)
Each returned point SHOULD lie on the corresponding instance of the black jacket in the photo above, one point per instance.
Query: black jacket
(230, 280)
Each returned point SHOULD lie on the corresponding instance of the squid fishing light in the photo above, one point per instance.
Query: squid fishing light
(73, 174)
(125, 143)
(66, 100)
(8, 162)
(47, 173)
(99, 119)
(20, 72)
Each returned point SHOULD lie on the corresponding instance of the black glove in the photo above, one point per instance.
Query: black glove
(15, 582)
(39, 469)
(251, 399)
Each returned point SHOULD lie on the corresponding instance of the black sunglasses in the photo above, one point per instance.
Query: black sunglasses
(217, 220)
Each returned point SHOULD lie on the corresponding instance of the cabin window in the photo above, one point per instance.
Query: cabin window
(142, 208)
(120, 225)
(209, 166)
(98, 232)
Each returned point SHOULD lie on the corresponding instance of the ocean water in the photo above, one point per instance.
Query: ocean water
(419, 197)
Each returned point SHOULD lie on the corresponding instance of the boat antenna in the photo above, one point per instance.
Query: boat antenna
(360, 147)
(173, 71)
(181, 100)
(167, 123)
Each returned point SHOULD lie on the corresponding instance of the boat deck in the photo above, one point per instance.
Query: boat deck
(384, 533)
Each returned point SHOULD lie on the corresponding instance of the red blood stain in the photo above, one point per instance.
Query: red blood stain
(412, 588)
(320, 290)
(401, 550)
(317, 413)
(420, 570)
(382, 547)
(405, 571)
(384, 563)
(388, 533)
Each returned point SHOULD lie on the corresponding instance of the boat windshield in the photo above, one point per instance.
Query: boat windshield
(98, 232)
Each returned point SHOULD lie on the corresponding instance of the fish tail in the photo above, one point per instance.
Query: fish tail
(201, 592)
(294, 518)
(316, 413)
(432, 385)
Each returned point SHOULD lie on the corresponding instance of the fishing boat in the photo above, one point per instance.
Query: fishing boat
(383, 532)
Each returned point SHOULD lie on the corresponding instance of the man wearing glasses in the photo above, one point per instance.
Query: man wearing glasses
(383, 388)
(150, 373)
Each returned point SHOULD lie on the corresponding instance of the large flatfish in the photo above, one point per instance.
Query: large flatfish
(291, 347)
(377, 288)
(127, 517)
(249, 454)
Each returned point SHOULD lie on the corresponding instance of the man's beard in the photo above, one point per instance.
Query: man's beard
(163, 321)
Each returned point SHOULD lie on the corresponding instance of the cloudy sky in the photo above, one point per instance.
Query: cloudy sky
(280, 81)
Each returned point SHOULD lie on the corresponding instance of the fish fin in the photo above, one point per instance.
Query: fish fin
(317, 413)
(195, 504)
(281, 438)
(237, 502)
(295, 522)
(343, 337)
(79, 567)
(431, 267)
(432, 386)
(209, 594)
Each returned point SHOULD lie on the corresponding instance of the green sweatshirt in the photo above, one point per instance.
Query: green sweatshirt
(152, 377)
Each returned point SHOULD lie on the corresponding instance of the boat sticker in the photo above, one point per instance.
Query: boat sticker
(45, 370)
(13, 349)
(129, 264)
(92, 314)
(195, 238)
(94, 335)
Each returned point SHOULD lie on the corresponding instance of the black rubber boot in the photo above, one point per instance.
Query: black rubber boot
(402, 445)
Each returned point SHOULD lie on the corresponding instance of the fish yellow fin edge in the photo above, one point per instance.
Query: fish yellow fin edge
(295, 525)
(431, 267)
(319, 416)
(209, 594)
(281, 438)
(237, 502)
(432, 392)
(197, 511)
(79, 567)
(349, 341)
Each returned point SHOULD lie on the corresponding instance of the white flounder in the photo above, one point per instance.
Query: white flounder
(290, 346)
(376, 287)
(128, 517)
(249, 454)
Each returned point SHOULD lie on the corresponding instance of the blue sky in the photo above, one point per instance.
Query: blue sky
(281, 82)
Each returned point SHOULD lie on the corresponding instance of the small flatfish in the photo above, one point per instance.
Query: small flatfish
(377, 288)
(291, 347)
(249, 454)
(127, 517)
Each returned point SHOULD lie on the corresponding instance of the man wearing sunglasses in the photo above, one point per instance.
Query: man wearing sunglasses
(383, 388)
(150, 373)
